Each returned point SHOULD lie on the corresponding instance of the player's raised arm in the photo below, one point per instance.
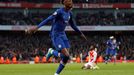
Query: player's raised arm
(73, 25)
(35, 28)
(50, 18)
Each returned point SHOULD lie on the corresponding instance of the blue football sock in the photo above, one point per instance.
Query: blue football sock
(60, 68)
(55, 53)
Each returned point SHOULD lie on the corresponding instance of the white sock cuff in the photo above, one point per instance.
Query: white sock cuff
(56, 74)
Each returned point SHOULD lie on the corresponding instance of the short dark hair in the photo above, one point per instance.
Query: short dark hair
(92, 47)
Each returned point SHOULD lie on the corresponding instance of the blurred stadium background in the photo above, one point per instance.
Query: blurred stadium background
(98, 19)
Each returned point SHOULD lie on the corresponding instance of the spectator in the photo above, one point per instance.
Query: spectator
(27, 47)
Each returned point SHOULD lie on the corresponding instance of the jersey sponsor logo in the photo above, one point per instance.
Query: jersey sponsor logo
(66, 18)
(66, 21)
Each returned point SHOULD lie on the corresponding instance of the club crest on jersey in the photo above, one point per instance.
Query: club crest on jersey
(55, 13)
(59, 46)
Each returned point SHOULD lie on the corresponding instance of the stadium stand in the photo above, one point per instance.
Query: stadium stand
(26, 47)
(99, 18)
(75, 1)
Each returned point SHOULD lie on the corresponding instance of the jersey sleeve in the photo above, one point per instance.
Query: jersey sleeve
(73, 24)
(50, 18)
(108, 42)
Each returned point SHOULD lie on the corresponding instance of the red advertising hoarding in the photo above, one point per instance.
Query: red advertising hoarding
(53, 5)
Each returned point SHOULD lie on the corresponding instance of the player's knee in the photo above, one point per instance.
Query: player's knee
(65, 59)
(65, 52)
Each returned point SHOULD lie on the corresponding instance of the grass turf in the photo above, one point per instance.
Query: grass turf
(71, 69)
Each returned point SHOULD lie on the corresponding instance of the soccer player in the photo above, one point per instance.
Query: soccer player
(60, 19)
(92, 58)
(111, 50)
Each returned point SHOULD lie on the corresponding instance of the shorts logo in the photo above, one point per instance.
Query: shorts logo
(59, 46)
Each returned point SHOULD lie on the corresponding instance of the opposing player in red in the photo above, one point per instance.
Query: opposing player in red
(92, 58)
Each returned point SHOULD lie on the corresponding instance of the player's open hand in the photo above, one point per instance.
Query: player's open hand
(84, 36)
(31, 30)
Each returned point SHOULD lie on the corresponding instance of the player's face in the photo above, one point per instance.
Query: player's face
(68, 4)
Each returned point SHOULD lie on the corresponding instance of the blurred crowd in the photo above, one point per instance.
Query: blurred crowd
(26, 47)
(23, 46)
(99, 18)
(19, 18)
(75, 1)
(105, 19)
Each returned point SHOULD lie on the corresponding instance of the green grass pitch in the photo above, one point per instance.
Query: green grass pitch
(71, 69)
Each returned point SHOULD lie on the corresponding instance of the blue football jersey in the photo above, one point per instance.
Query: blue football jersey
(111, 44)
(60, 19)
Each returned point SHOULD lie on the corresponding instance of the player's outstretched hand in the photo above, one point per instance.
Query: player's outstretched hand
(84, 36)
(31, 30)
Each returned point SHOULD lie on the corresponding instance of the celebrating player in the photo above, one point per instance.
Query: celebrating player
(92, 58)
(111, 49)
(60, 18)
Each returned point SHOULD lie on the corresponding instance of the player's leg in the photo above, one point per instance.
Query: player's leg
(94, 66)
(65, 52)
(49, 54)
(61, 51)
(83, 67)
(114, 56)
(107, 55)
(61, 46)
(64, 56)
(55, 53)
(86, 66)
(58, 44)
(63, 61)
